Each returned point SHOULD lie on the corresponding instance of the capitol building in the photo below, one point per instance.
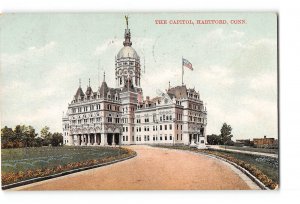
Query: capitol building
(123, 116)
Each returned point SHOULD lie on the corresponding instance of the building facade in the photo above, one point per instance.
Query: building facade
(121, 116)
(265, 142)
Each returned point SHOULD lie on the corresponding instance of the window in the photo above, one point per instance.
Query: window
(166, 127)
(170, 126)
(160, 137)
(171, 138)
(109, 118)
(166, 137)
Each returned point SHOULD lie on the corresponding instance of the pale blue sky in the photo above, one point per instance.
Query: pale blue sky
(235, 66)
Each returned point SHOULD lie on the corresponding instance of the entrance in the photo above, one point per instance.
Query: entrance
(117, 139)
(109, 138)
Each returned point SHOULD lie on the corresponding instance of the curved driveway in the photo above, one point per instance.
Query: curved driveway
(153, 168)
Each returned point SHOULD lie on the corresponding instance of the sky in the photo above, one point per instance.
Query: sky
(43, 56)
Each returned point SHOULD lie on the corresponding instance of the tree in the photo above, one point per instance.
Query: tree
(57, 139)
(46, 135)
(7, 134)
(226, 135)
(45, 132)
(213, 139)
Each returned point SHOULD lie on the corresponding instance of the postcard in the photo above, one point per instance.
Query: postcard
(139, 101)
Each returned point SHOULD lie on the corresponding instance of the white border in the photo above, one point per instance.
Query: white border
(289, 18)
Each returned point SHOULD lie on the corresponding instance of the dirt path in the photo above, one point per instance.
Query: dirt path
(153, 168)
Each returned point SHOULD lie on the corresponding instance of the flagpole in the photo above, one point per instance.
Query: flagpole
(182, 70)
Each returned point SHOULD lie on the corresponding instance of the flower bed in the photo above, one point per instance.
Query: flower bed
(17, 176)
(249, 167)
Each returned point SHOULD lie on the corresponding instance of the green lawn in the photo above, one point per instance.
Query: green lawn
(23, 159)
(252, 149)
(269, 166)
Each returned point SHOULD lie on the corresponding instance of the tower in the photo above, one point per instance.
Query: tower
(127, 62)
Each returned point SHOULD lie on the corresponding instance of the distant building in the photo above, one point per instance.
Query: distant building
(242, 143)
(120, 116)
(264, 142)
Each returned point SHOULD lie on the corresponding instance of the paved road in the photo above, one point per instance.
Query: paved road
(153, 168)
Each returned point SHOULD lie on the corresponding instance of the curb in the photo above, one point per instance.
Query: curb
(245, 171)
(34, 180)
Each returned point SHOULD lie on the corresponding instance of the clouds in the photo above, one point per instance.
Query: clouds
(34, 84)
(28, 55)
(235, 67)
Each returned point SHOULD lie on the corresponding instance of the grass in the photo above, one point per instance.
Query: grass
(266, 169)
(252, 149)
(25, 163)
(269, 166)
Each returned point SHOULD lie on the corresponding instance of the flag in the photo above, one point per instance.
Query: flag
(187, 64)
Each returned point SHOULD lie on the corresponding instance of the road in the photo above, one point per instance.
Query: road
(154, 169)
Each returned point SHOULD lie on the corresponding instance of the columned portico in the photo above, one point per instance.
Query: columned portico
(83, 140)
(113, 140)
(88, 139)
(103, 139)
(77, 140)
(72, 139)
(95, 139)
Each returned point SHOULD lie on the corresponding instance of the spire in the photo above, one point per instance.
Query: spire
(89, 82)
(127, 34)
(169, 85)
(79, 82)
(126, 18)
(104, 77)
